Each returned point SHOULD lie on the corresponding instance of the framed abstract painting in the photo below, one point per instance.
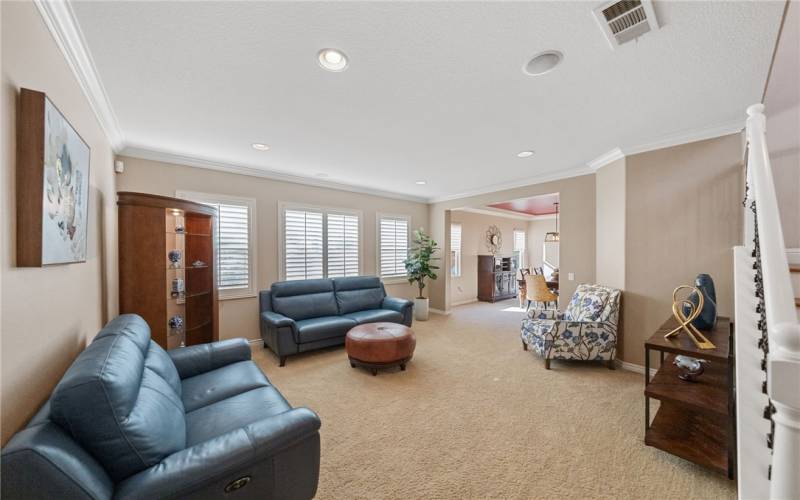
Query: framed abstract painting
(52, 185)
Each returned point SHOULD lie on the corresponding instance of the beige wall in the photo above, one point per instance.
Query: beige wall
(683, 216)
(782, 107)
(49, 314)
(239, 317)
(610, 205)
(576, 225)
(473, 243)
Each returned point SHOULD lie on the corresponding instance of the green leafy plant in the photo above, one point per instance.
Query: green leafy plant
(418, 264)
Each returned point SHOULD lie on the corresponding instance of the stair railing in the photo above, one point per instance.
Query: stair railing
(781, 331)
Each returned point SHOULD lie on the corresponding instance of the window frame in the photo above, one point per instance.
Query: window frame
(456, 254)
(252, 239)
(522, 261)
(385, 215)
(288, 205)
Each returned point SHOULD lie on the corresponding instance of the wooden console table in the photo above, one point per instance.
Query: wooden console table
(696, 420)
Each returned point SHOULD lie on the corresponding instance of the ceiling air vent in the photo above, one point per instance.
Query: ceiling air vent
(626, 20)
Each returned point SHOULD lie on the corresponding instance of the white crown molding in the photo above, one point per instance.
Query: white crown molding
(179, 160)
(529, 181)
(687, 137)
(506, 214)
(606, 158)
(60, 21)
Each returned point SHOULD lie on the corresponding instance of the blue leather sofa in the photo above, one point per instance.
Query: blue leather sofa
(300, 316)
(130, 420)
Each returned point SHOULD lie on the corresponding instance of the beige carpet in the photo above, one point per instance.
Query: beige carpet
(475, 416)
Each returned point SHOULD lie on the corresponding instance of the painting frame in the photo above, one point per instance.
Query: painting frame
(52, 185)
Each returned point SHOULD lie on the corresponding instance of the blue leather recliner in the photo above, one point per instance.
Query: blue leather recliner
(300, 316)
(130, 420)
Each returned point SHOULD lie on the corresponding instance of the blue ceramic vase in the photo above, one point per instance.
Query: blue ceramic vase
(708, 316)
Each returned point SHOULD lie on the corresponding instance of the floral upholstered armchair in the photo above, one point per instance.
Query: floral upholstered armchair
(587, 330)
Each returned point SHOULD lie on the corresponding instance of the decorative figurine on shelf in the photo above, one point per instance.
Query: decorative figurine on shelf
(176, 323)
(198, 263)
(708, 312)
(179, 229)
(178, 288)
(679, 306)
(691, 368)
(174, 258)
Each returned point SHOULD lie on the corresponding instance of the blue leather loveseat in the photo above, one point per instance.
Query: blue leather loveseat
(300, 316)
(130, 420)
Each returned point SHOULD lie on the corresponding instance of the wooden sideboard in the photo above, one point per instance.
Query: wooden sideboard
(497, 278)
(695, 420)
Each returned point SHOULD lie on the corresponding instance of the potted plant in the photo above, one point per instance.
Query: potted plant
(419, 268)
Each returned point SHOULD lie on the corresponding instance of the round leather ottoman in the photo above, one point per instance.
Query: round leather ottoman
(380, 345)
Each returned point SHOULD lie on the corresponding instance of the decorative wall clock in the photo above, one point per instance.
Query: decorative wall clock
(494, 239)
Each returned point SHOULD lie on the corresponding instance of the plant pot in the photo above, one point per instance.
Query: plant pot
(421, 309)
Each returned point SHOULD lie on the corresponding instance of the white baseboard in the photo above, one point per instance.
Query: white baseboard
(439, 311)
(464, 302)
(631, 367)
(793, 255)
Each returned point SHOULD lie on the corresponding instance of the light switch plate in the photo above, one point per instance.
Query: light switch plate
(571, 276)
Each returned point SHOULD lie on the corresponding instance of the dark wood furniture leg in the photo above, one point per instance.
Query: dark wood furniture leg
(610, 364)
(546, 364)
(524, 346)
(283, 361)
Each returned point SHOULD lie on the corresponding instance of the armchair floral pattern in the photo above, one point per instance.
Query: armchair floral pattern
(587, 330)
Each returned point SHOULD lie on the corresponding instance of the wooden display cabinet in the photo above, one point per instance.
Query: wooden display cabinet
(497, 278)
(167, 250)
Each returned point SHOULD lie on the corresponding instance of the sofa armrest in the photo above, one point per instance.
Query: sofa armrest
(403, 306)
(396, 304)
(197, 359)
(545, 314)
(276, 320)
(209, 466)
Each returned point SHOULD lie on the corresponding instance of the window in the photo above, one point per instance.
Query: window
(343, 245)
(319, 242)
(455, 250)
(236, 275)
(392, 245)
(519, 247)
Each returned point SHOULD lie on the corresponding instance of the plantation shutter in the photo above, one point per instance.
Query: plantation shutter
(343, 245)
(519, 247)
(303, 252)
(234, 245)
(393, 246)
(455, 250)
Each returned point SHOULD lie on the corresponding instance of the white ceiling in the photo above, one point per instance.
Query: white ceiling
(434, 90)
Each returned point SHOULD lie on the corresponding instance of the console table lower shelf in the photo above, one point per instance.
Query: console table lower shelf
(694, 420)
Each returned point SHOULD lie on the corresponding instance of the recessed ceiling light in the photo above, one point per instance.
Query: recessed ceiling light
(332, 60)
(524, 154)
(543, 63)
(420, 183)
(260, 147)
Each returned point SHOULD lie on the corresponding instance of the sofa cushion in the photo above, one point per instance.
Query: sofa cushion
(587, 303)
(222, 383)
(358, 293)
(375, 316)
(304, 299)
(159, 361)
(232, 413)
(123, 412)
(314, 329)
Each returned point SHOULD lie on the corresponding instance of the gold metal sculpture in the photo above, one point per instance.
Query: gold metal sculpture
(685, 321)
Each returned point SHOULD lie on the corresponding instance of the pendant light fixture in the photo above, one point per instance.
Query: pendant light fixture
(551, 236)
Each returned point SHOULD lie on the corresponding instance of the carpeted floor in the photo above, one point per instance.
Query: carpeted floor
(475, 416)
